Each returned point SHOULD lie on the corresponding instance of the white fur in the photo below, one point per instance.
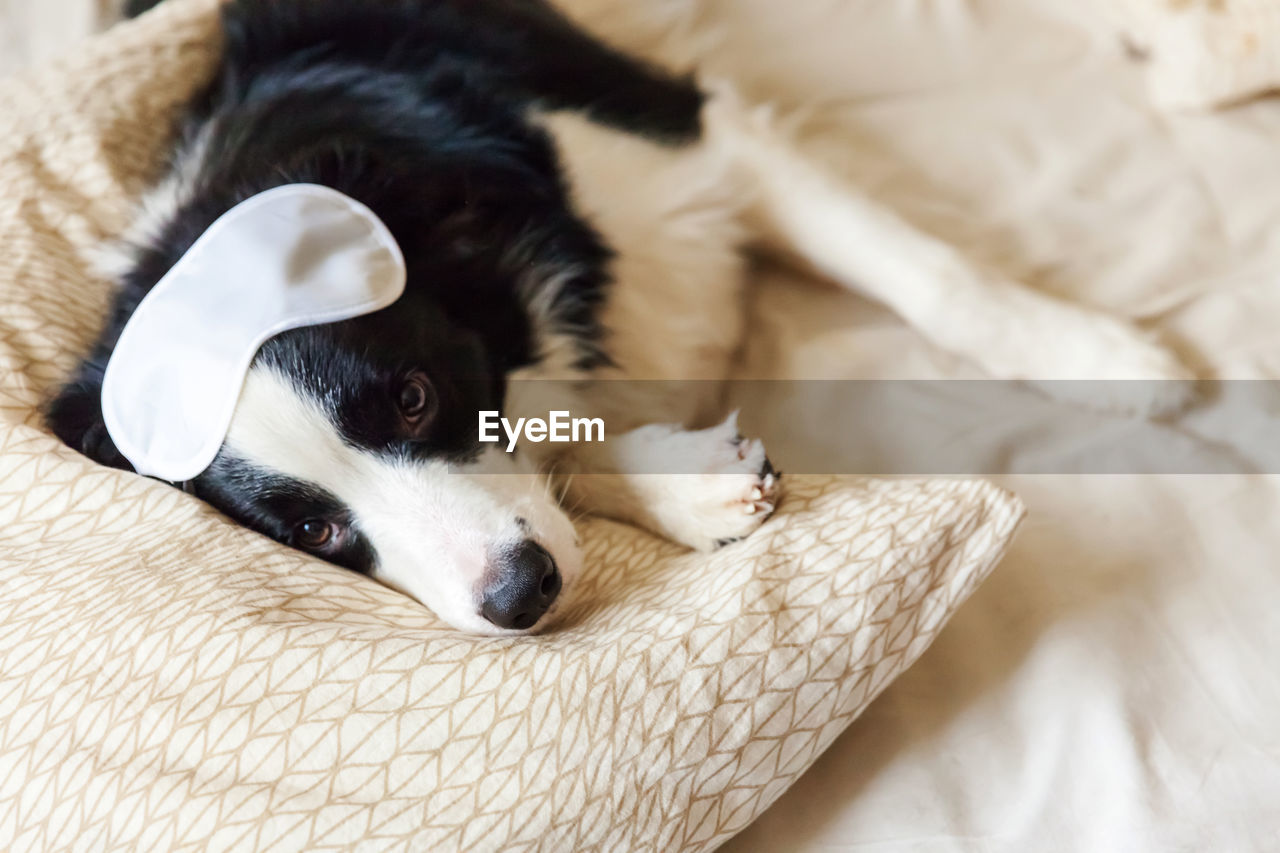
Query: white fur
(702, 489)
(795, 206)
(678, 218)
(1009, 330)
(674, 309)
(435, 527)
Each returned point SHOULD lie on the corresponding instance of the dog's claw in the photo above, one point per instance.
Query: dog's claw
(736, 491)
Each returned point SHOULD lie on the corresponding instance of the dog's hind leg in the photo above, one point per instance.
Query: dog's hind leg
(1009, 330)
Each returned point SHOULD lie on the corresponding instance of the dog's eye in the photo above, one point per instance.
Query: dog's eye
(416, 399)
(313, 533)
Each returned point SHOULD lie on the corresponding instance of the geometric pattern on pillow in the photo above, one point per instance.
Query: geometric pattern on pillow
(171, 681)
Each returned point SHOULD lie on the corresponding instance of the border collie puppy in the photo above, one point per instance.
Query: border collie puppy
(565, 211)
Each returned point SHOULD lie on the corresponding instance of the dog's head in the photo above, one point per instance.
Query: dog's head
(359, 441)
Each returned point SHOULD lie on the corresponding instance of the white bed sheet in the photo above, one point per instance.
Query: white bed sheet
(1114, 686)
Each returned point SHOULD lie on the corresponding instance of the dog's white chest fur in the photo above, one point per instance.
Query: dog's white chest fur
(672, 214)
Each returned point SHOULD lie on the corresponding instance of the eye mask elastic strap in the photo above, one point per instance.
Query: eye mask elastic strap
(298, 255)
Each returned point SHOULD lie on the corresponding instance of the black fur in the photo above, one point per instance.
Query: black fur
(420, 110)
(134, 8)
(276, 505)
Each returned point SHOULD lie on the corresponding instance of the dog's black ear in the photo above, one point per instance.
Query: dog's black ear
(75, 416)
(134, 8)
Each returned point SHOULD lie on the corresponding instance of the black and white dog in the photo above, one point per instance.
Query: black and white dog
(566, 211)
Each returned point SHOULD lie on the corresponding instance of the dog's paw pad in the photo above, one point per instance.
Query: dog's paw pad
(738, 495)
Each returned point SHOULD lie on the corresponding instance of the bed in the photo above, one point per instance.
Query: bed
(1113, 685)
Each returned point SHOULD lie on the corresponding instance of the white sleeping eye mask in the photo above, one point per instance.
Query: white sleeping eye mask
(298, 255)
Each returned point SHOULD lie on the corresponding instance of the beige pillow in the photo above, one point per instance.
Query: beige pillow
(1205, 53)
(169, 680)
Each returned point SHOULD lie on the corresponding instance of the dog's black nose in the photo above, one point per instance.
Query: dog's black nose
(526, 585)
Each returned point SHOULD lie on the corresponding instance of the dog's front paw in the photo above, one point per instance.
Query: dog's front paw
(735, 491)
(756, 508)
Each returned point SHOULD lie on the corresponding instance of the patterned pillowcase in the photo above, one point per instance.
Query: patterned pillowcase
(170, 680)
(1205, 53)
